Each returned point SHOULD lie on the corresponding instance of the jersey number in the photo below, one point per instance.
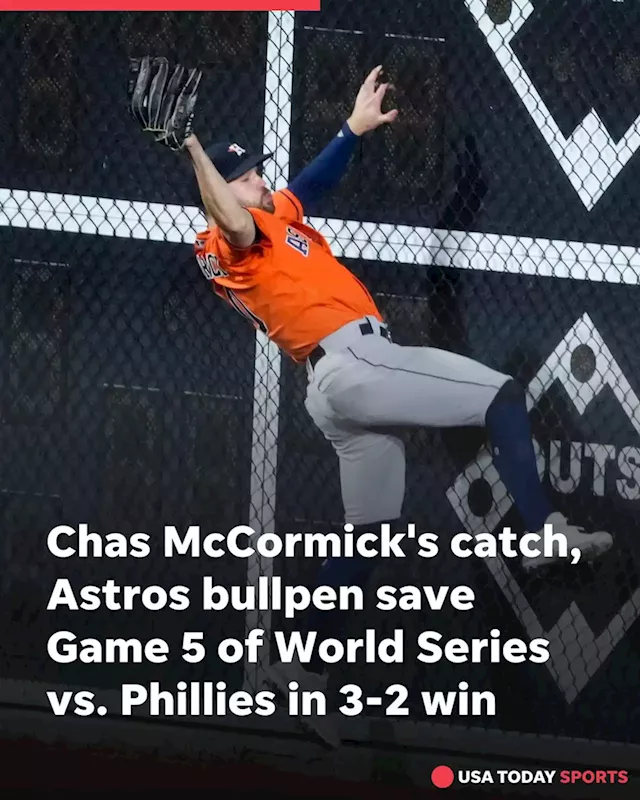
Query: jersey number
(240, 307)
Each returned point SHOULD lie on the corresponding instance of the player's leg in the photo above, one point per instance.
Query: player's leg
(377, 383)
(372, 478)
(388, 384)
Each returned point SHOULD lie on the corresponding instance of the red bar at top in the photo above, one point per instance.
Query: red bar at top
(160, 5)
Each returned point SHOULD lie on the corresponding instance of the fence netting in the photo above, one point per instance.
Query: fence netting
(497, 218)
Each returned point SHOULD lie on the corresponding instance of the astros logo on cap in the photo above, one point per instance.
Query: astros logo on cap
(235, 148)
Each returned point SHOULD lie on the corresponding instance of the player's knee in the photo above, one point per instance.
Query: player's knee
(509, 392)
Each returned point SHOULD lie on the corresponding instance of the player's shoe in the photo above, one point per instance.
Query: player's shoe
(281, 675)
(591, 545)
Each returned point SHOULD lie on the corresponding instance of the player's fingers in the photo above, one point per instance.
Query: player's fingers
(381, 91)
(373, 75)
(390, 115)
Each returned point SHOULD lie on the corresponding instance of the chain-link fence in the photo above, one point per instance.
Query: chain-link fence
(497, 218)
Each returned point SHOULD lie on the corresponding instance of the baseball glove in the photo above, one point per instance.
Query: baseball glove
(163, 106)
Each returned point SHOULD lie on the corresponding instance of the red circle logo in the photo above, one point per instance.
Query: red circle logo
(442, 777)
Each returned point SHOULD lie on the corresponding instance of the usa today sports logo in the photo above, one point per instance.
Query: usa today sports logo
(443, 777)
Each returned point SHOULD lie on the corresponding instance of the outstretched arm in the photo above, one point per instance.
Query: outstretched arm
(220, 204)
(327, 169)
(165, 108)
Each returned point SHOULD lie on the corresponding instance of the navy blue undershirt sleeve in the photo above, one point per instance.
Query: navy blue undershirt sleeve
(326, 170)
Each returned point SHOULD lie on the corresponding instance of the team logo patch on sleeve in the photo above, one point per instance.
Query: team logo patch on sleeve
(297, 240)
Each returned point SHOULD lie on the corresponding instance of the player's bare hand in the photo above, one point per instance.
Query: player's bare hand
(367, 114)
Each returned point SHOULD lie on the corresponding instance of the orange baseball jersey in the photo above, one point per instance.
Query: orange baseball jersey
(288, 284)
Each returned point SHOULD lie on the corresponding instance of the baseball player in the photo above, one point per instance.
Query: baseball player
(263, 260)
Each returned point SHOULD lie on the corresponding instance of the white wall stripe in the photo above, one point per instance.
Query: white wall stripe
(266, 388)
(99, 216)
(485, 252)
(403, 244)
